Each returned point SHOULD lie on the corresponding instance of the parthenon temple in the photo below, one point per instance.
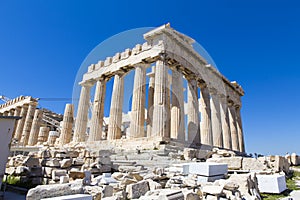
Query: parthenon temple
(212, 109)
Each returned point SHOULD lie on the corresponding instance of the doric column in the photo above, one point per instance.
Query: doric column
(35, 127)
(11, 112)
(216, 118)
(43, 135)
(115, 116)
(27, 124)
(225, 123)
(138, 102)
(82, 114)
(193, 112)
(205, 125)
(150, 101)
(161, 107)
(98, 111)
(21, 122)
(233, 128)
(67, 125)
(177, 109)
(17, 113)
(240, 129)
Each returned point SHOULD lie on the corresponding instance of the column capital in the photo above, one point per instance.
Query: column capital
(145, 65)
(88, 83)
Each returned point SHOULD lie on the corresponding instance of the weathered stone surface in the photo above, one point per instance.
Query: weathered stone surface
(271, 183)
(253, 164)
(47, 191)
(72, 197)
(136, 190)
(212, 189)
(66, 163)
(154, 185)
(64, 179)
(76, 175)
(57, 173)
(53, 162)
(232, 162)
(31, 162)
(205, 169)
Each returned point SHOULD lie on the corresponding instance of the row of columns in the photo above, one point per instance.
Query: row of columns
(220, 123)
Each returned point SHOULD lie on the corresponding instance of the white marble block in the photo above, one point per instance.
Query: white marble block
(204, 179)
(271, 183)
(205, 168)
(72, 197)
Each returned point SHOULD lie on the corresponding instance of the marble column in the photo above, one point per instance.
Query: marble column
(115, 116)
(98, 111)
(35, 127)
(205, 124)
(27, 124)
(150, 101)
(240, 129)
(17, 113)
(177, 109)
(216, 119)
(161, 107)
(233, 127)
(21, 122)
(11, 112)
(43, 135)
(82, 114)
(67, 125)
(138, 102)
(225, 123)
(193, 112)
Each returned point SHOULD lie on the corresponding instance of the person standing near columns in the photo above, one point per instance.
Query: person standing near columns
(233, 126)
(21, 122)
(116, 108)
(240, 129)
(177, 109)
(216, 118)
(150, 101)
(27, 124)
(193, 112)
(225, 123)
(161, 107)
(67, 125)
(34, 131)
(138, 102)
(98, 111)
(82, 113)
(205, 125)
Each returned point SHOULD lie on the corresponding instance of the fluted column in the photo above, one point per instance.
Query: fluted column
(205, 124)
(34, 131)
(177, 109)
(150, 101)
(193, 112)
(161, 112)
(115, 116)
(240, 129)
(67, 125)
(225, 123)
(17, 113)
(98, 112)
(216, 119)
(233, 128)
(82, 114)
(138, 102)
(21, 122)
(43, 135)
(27, 124)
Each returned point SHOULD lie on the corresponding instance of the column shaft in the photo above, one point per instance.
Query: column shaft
(115, 116)
(161, 112)
(150, 102)
(225, 124)
(233, 128)
(138, 103)
(240, 129)
(193, 113)
(17, 113)
(205, 125)
(27, 124)
(43, 135)
(177, 109)
(216, 119)
(82, 114)
(33, 136)
(67, 125)
(21, 122)
(98, 112)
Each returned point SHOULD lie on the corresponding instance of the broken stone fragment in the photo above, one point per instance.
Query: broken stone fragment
(137, 190)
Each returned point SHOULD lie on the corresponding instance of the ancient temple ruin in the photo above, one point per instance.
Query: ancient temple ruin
(213, 117)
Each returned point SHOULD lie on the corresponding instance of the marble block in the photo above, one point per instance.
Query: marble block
(205, 168)
(72, 197)
(271, 183)
(204, 179)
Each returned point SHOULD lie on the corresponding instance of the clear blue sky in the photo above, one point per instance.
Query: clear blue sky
(43, 43)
